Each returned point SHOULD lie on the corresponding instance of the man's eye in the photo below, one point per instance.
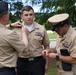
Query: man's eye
(31, 14)
(26, 14)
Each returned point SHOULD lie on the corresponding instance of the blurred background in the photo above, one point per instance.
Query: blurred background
(43, 9)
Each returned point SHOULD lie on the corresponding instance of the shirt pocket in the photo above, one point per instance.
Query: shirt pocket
(37, 38)
(37, 41)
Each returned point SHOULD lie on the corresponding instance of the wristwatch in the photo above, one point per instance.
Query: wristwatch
(11, 26)
(57, 57)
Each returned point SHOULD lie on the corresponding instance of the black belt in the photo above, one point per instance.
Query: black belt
(6, 69)
(30, 58)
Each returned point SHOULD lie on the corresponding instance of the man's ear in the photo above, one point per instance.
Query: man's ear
(4, 17)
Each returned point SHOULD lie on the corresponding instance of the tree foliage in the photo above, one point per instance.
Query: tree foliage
(59, 6)
(16, 7)
(48, 8)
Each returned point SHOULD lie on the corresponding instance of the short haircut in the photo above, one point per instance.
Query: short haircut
(27, 8)
(2, 14)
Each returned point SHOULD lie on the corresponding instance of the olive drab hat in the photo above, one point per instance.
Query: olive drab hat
(3, 6)
(58, 20)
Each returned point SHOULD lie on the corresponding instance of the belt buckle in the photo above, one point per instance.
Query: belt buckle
(31, 59)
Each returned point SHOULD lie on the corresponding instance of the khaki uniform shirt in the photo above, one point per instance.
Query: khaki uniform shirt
(37, 38)
(68, 41)
(10, 45)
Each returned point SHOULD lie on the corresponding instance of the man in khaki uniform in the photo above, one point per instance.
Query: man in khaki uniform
(66, 45)
(10, 43)
(32, 63)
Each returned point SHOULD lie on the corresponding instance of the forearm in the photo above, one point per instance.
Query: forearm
(25, 40)
(14, 25)
(48, 50)
(9, 26)
(67, 59)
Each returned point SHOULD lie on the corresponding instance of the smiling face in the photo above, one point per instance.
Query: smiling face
(28, 15)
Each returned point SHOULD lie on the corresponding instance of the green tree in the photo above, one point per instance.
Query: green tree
(16, 7)
(48, 8)
(59, 6)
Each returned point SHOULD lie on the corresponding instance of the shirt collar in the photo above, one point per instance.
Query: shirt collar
(35, 25)
(29, 27)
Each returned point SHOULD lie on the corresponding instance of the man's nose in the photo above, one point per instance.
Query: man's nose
(29, 16)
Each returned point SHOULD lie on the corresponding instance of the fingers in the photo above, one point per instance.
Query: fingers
(19, 24)
(45, 53)
(24, 29)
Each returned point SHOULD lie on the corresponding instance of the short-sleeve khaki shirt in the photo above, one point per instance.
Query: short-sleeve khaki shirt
(38, 40)
(68, 41)
(10, 46)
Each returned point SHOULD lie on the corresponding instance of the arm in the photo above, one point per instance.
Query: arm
(72, 50)
(46, 44)
(14, 25)
(44, 52)
(15, 42)
(67, 59)
(24, 37)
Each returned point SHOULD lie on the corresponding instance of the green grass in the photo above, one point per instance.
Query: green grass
(52, 35)
(52, 70)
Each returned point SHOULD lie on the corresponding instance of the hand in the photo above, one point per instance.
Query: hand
(52, 55)
(23, 29)
(45, 52)
(16, 24)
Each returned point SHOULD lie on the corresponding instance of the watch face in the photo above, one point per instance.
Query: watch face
(57, 57)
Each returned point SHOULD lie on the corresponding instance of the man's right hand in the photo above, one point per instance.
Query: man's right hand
(45, 52)
(16, 24)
